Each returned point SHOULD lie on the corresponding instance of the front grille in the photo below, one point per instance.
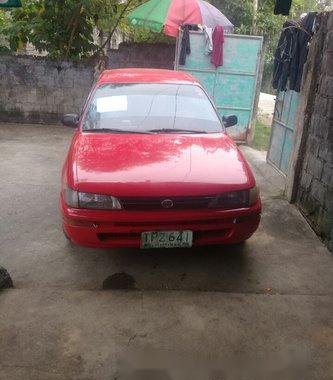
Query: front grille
(172, 223)
(118, 235)
(178, 203)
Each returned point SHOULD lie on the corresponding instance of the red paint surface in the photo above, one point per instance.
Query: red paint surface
(165, 165)
(133, 75)
(158, 165)
(209, 226)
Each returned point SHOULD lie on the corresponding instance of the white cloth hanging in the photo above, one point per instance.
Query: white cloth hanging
(208, 32)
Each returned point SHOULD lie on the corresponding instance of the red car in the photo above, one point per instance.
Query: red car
(150, 165)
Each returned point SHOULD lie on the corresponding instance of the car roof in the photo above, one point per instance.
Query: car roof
(134, 75)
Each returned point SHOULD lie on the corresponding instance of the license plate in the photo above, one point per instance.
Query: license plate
(166, 239)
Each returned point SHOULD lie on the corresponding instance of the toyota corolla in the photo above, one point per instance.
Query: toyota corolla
(150, 165)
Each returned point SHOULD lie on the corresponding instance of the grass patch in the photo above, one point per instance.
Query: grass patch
(261, 136)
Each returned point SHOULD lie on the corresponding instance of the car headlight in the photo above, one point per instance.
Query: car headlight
(71, 197)
(253, 195)
(78, 199)
(236, 199)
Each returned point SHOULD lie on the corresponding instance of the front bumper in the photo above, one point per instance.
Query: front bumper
(122, 229)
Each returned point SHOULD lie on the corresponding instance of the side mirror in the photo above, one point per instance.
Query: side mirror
(70, 120)
(229, 121)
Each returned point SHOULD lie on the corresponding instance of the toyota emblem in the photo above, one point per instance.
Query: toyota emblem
(167, 203)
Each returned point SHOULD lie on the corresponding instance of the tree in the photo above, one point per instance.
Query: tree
(64, 28)
(113, 15)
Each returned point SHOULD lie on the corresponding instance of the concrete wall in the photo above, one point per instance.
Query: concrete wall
(40, 90)
(314, 185)
(159, 56)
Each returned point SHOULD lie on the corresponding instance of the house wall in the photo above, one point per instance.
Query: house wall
(311, 169)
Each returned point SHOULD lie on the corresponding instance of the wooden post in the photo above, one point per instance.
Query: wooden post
(254, 17)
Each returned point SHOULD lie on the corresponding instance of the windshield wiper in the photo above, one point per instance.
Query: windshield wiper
(172, 130)
(115, 130)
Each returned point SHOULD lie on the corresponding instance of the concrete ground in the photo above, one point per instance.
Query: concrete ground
(262, 311)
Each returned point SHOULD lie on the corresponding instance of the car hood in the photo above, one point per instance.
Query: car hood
(158, 164)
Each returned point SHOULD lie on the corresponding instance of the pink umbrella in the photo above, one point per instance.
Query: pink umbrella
(168, 15)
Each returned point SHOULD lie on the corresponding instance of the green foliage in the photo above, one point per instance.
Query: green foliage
(5, 21)
(261, 136)
(63, 28)
(145, 35)
(239, 12)
(106, 13)
(22, 21)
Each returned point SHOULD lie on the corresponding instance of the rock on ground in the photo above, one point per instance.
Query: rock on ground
(5, 279)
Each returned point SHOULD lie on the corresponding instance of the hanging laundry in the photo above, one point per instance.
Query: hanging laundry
(185, 46)
(218, 40)
(283, 55)
(208, 33)
(282, 7)
(303, 38)
(291, 53)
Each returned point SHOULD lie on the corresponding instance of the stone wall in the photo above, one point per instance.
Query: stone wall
(314, 194)
(40, 90)
(160, 56)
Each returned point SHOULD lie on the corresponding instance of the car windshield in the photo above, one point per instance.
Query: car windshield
(143, 108)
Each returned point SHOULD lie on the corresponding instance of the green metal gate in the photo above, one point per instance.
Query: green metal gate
(232, 86)
(283, 126)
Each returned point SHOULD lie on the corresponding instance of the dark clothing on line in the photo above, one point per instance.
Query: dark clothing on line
(284, 55)
(303, 39)
(282, 7)
(185, 47)
(291, 53)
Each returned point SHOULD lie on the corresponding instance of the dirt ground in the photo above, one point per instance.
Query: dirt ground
(261, 311)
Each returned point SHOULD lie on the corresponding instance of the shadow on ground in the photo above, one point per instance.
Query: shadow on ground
(180, 269)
